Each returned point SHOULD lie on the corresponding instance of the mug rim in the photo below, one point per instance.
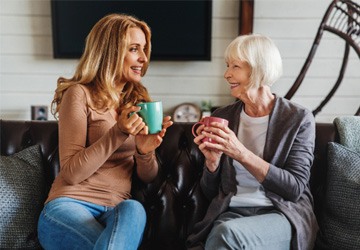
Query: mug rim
(148, 102)
(212, 117)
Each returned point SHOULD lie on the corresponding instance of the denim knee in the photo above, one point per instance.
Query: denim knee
(133, 204)
(133, 208)
(125, 226)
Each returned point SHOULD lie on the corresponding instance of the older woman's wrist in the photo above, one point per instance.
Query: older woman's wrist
(211, 166)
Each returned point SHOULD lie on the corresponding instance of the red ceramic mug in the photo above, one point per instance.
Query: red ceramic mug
(207, 121)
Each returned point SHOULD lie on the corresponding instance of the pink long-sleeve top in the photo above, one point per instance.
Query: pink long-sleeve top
(96, 158)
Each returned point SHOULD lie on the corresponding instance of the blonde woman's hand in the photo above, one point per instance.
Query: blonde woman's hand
(129, 122)
(146, 143)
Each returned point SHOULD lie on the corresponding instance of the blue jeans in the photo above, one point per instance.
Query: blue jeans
(67, 223)
(250, 228)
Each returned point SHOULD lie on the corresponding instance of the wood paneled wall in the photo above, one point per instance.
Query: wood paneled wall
(28, 72)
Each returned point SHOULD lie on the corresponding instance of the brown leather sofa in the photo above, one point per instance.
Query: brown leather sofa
(174, 201)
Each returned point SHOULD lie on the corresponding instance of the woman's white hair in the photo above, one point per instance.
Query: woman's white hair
(261, 54)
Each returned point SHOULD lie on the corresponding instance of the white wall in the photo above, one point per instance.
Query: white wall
(293, 25)
(28, 72)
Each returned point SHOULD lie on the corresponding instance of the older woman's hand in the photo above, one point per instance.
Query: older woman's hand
(212, 156)
(228, 143)
(225, 140)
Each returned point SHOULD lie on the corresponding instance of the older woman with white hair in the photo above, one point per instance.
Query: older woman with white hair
(256, 175)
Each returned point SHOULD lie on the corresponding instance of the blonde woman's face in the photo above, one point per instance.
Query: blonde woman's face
(135, 56)
(238, 76)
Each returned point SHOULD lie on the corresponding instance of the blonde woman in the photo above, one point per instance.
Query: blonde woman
(257, 173)
(89, 205)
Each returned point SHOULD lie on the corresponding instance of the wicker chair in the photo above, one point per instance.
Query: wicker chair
(342, 18)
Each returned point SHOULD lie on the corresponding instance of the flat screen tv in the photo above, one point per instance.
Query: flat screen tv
(181, 30)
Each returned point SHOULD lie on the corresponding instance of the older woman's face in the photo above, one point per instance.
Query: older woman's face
(135, 57)
(238, 76)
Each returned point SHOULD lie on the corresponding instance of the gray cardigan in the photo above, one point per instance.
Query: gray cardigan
(289, 148)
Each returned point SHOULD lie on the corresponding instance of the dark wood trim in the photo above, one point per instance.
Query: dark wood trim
(246, 17)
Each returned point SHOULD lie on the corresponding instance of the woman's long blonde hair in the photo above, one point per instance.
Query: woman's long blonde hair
(101, 65)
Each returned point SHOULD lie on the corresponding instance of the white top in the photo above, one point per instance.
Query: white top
(252, 133)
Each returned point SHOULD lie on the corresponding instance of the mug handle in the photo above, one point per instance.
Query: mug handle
(193, 128)
(130, 114)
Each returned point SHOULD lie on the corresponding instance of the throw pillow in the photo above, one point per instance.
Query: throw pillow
(349, 131)
(341, 227)
(21, 198)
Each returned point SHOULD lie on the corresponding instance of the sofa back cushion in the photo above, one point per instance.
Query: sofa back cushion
(174, 201)
(18, 135)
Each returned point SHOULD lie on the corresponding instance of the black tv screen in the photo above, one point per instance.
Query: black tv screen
(181, 30)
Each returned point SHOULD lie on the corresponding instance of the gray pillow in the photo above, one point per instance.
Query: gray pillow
(349, 131)
(21, 198)
(341, 225)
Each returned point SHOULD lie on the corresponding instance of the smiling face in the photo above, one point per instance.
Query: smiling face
(135, 56)
(238, 76)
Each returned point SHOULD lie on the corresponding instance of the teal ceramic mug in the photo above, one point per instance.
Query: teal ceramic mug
(152, 114)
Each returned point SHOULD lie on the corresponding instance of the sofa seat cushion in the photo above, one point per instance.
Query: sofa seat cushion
(341, 227)
(22, 194)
